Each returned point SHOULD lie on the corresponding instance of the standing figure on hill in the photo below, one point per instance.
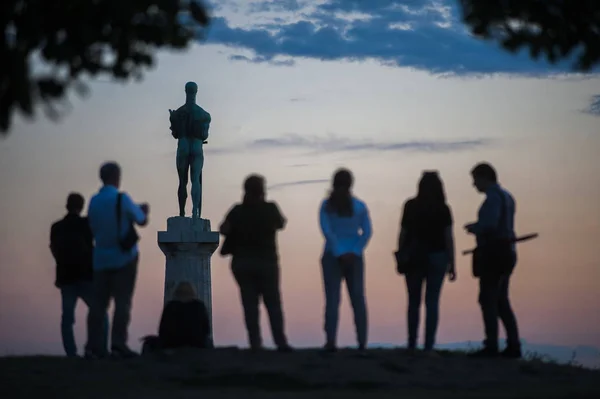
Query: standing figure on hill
(72, 244)
(426, 254)
(250, 230)
(189, 125)
(346, 226)
(494, 261)
(112, 216)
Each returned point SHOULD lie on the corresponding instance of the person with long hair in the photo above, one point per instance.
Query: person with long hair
(426, 228)
(346, 226)
(250, 229)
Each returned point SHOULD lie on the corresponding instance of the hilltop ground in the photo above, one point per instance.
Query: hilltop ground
(233, 373)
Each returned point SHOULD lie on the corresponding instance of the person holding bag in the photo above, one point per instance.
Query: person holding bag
(425, 254)
(111, 216)
(250, 231)
(494, 260)
(346, 226)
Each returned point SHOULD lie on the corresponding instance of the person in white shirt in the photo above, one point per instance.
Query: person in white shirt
(346, 226)
(111, 216)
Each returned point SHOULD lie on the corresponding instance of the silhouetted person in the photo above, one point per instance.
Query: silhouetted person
(184, 322)
(494, 231)
(112, 216)
(72, 244)
(346, 226)
(250, 229)
(427, 240)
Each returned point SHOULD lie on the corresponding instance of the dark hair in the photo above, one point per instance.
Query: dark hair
(254, 189)
(75, 202)
(486, 171)
(431, 189)
(340, 198)
(109, 172)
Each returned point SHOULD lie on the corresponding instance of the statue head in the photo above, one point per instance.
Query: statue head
(191, 88)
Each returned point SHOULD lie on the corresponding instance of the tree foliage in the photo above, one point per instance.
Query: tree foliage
(554, 29)
(49, 45)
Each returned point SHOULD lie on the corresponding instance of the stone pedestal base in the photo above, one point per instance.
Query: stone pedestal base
(188, 245)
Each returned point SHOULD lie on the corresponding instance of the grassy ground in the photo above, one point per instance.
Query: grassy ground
(232, 373)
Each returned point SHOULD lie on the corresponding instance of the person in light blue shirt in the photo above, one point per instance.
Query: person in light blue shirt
(115, 261)
(346, 226)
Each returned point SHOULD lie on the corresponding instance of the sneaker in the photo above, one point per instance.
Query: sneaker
(431, 353)
(91, 355)
(122, 353)
(484, 353)
(285, 348)
(329, 348)
(362, 351)
(511, 353)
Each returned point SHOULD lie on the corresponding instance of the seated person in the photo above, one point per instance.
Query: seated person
(184, 323)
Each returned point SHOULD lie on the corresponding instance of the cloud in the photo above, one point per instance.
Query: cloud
(262, 59)
(275, 6)
(297, 183)
(594, 107)
(427, 35)
(332, 143)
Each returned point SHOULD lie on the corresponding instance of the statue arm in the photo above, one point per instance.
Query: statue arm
(205, 126)
(171, 118)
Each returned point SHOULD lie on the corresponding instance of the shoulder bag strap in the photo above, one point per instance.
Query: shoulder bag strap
(119, 196)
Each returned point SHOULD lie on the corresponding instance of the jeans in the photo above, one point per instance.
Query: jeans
(70, 293)
(118, 284)
(433, 275)
(259, 278)
(354, 275)
(495, 303)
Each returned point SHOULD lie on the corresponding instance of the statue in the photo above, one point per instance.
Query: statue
(189, 125)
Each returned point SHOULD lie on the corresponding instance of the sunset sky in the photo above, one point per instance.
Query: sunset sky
(385, 91)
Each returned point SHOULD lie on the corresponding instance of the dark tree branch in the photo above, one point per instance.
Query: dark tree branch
(72, 38)
(556, 29)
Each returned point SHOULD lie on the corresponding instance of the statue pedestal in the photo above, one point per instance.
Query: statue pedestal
(188, 245)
